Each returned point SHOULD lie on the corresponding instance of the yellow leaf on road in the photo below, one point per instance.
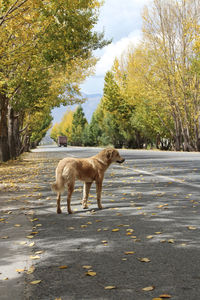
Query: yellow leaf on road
(192, 227)
(129, 252)
(115, 229)
(31, 244)
(39, 252)
(63, 267)
(19, 270)
(109, 287)
(87, 267)
(171, 241)
(149, 236)
(29, 236)
(35, 257)
(35, 281)
(91, 273)
(148, 288)
(165, 296)
(30, 270)
(144, 259)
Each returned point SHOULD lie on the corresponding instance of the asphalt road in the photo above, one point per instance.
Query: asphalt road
(147, 235)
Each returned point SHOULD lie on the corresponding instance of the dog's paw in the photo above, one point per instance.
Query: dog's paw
(85, 206)
(59, 211)
(70, 212)
(100, 207)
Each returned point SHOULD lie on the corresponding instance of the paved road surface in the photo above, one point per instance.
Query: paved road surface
(147, 235)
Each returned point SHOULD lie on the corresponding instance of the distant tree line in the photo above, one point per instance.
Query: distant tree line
(151, 95)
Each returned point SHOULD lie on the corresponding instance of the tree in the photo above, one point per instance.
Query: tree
(78, 124)
(45, 50)
(64, 128)
(170, 29)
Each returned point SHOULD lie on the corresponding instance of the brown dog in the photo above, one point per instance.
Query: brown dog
(84, 169)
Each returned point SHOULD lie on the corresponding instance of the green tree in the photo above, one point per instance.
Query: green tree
(78, 125)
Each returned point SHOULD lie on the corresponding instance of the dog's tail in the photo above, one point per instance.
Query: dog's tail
(59, 184)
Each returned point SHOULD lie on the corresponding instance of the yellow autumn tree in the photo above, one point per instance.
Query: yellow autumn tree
(64, 128)
(45, 52)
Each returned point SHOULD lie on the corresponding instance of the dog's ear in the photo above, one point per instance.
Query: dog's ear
(109, 153)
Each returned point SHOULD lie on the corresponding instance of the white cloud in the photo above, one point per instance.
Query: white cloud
(121, 17)
(115, 50)
(122, 21)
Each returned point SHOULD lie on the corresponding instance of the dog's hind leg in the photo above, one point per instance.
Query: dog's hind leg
(70, 188)
(58, 203)
(86, 190)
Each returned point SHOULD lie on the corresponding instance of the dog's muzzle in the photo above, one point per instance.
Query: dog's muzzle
(120, 161)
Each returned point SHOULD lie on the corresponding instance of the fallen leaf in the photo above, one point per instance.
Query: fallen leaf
(31, 244)
(35, 257)
(115, 229)
(29, 236)
(128, 233)
(17, 225)
(130, 230)
(129, 252)
(192, 227)
(149, 236)
(171, 241)
(35, 281)
(109, 287)
(22, 243)
(19, 270)
(30, 270)
(157, 299)
(83, 226)
(148, 288)
(144, 259)
(87, 267)
(4, 237)
(39, 252)
(91, 273)
(166, 296)
(63, 267)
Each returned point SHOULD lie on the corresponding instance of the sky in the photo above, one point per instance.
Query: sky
(121, 21)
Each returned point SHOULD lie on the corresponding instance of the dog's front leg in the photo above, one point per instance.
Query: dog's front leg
(58, 203)
(86, 190)
(98, 190)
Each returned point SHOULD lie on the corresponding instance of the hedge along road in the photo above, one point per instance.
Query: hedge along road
(144, 244)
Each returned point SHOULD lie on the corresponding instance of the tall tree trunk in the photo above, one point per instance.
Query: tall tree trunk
(4, 143)
(13, 133)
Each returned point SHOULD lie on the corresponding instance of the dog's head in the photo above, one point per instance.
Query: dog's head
(114, 156)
